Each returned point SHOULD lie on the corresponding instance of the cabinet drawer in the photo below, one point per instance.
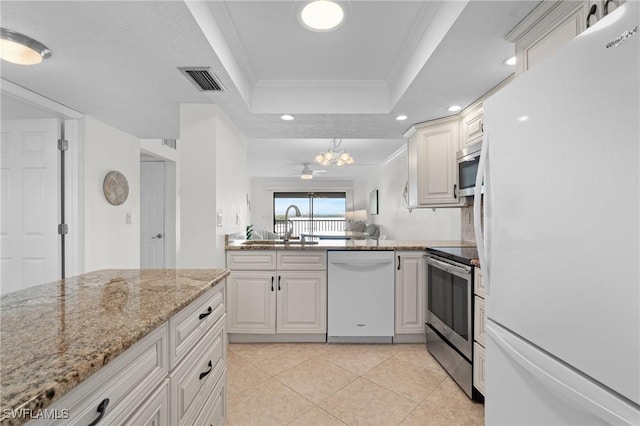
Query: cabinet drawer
(478, 283)
(194, 379)
(189, 325)
(302, 261)
(124, 382)
(478, 320)
(478, 367)
(154, 411)
(253, 260)
(215, 409)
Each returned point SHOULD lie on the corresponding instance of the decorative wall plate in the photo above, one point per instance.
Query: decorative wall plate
(115, 187)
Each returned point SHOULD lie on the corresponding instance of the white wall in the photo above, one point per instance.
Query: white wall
(212, 178)
(262, 189)
(394, 219)
(109, 241)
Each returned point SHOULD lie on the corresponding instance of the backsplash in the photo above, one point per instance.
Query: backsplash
(467, 231)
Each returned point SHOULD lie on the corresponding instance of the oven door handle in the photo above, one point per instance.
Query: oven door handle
(452, 269)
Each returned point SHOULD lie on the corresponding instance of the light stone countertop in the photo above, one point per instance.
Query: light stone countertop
(54, 336)
(368, 244)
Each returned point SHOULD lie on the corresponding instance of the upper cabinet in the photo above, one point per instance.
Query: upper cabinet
(432, 148)
(553, 24)
(471, 128)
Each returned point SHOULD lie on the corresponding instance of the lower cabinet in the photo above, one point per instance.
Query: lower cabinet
(142, 387)
(478, 367)
(410, 303)
(277, 302)
(478, 330)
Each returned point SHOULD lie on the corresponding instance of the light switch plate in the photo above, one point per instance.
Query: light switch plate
(219, 219)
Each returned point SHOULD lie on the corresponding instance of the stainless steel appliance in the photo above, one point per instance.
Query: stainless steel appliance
(449, 326)
(467, 161)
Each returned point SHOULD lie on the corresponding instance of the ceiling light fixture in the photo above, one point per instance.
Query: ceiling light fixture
(401, 117)
(287, 117)
(334, 157)
(510, 61)
(321, 15)
(454, 108)
(22, 50)
(306, 173)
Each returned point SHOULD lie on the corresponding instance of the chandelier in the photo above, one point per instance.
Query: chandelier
(334, 156)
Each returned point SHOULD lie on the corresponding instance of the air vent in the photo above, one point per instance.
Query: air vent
(203, 78)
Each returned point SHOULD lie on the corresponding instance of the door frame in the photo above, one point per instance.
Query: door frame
(73, 203)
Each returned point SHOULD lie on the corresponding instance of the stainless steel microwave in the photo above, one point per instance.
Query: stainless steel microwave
(467, 161)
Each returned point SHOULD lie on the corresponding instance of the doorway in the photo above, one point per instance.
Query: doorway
(152, 212)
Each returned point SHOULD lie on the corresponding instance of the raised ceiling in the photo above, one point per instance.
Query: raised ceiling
(117, 61)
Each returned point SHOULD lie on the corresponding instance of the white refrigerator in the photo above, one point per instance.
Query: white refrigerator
(561, 244)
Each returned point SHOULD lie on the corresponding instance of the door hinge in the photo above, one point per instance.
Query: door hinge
(63, 229)
(63, 144)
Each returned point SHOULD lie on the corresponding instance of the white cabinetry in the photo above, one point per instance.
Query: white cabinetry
(286, 297)
(553, 24)
(432, 148)
(410, 303)
(142, 386)
(478, 330)
(471, 125)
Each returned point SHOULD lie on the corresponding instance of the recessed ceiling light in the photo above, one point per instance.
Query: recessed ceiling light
(523, 118)
(454, 108)
(401, 117)
(321, 15)
(287, 117)
(19, 49)
(510, 61)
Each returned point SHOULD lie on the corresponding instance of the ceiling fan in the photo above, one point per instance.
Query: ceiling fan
(308, 173)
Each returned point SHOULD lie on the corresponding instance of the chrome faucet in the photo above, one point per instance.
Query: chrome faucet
(288, 233)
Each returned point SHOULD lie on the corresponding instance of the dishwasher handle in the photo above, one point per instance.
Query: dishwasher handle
(362, 262)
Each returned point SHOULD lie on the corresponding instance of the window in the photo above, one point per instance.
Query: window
(319, 211)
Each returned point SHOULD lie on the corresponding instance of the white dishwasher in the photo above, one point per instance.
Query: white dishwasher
(360, 296)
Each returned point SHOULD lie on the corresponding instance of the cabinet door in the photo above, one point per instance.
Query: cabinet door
(302, 302)
(435, 177)
(410, 294)
(471, 128)
(251, 302)
(478, 367)
(478, 320)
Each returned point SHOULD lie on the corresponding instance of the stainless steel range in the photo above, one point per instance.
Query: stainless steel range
(449, 326)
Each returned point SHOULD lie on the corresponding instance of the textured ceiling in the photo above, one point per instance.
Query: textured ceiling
(117, 61)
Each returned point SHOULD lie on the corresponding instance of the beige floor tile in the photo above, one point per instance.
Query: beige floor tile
(316, 378)
(270, 403)
(447, 405)
(358, 360)
(317, 417)
(282, 362)
(241, 375)
(419, 355)
(365, 403)
(405, 378)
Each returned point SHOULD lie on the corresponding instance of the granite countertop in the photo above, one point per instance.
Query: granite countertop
(368, 244)
(54, 336)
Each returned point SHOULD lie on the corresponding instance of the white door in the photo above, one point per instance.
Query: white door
(29, 206)
(152, 214)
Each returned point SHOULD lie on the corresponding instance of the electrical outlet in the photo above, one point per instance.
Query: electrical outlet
(237, 218)
(219, 219)
(127, 218)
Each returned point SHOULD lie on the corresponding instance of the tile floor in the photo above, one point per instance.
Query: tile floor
(321, 384)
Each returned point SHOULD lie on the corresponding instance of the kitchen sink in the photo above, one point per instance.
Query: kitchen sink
(283, 242)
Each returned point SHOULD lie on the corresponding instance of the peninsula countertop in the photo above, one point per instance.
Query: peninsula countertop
(54, 336)
(366, 244)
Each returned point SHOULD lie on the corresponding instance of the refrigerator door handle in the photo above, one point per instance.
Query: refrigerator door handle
(477, 205)
(563, 380)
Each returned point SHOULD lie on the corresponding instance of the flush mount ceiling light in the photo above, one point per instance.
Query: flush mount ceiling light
(454, 108)
(287, 117)
(321, 15)
(510, 61)
(401, 117)
(334, 156)
(19, 49)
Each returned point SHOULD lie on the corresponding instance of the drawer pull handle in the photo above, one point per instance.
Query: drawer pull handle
(209, 311)
(279, 283)
(206, 373)
(102, 408)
